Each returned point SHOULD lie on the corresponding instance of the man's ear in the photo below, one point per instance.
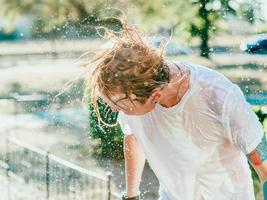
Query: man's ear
(154, 96)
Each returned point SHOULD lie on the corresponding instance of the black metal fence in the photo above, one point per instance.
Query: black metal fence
(53, 177)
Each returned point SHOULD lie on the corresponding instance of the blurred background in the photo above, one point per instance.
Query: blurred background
(52, 146)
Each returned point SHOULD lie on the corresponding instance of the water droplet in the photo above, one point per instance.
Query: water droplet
(132, 96)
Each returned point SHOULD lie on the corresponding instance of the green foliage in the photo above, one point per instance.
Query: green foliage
(197, 17)
(110, 138)
(169, 15)
(209, 12)
(262, 118)
(262, 29)
(256, 182)
(187, 19)
(59, 17)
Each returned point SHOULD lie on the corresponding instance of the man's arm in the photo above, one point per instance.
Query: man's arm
(134, 164)
(244, 129)
(258, 159)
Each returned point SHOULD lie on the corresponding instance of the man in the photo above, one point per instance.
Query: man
(192, 124)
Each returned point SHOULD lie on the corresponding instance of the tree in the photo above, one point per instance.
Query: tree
(110, 138)
(198, 17)
(164, 14)
(211, 11)
(60, 15)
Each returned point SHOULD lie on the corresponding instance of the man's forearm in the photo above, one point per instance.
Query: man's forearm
(258, 159)
(134, 164)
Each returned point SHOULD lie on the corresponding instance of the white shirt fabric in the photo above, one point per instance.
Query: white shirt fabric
(197, 147)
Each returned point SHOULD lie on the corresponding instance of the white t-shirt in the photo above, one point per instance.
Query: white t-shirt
(197, 147)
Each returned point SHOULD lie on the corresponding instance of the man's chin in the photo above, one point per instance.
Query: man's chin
(137, 113)
(132, 113)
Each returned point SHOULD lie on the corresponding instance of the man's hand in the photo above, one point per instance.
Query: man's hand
(124, 197)
(258, 159)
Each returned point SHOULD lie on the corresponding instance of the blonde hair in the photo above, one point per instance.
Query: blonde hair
(131, 66)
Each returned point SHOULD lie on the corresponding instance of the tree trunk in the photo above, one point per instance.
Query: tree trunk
(204, 46)
(204, 32)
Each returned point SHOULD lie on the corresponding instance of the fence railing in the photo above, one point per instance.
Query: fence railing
(55, 178)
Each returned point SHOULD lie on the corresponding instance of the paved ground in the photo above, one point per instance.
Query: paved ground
(47, 47)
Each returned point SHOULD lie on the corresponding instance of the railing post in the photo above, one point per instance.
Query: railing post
(47, 175)
(109, 184)
(7, 160)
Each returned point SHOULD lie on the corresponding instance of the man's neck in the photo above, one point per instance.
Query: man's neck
(175, 90)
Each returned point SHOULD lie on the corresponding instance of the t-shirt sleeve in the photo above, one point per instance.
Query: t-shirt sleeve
(243, 127)
(125, 124)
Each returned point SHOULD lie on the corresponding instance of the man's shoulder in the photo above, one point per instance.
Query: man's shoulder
(206, 74)
(215, 90)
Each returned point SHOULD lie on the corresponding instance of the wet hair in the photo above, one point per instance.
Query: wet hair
(131, 66)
